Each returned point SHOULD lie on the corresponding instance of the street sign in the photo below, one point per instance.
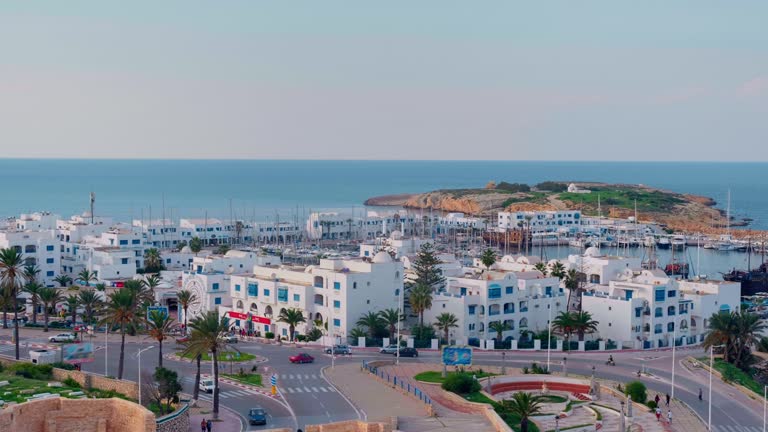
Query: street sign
(273, 380)
(77, 353)
(162, 309)
(457, 356)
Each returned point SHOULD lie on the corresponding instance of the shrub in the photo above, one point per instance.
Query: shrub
(33, 371)
(637, 390)
(70, 382)
(62, 365)
(536, 369)
(552, 186)
(461, 383)
(513, 187)
(729, 375)
(314, 334)
(651, 404)
(269, 335)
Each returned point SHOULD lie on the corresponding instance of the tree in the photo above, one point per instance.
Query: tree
(144, 296)
(445, 322)
(737, 332)
(523, 405)
(121, 309)
(542, 267)
(391, 317)
(583, 323)
(488, 258)
(195, 245)
(33, 289)
(373, 322)
(749, 328)
(423, 332)
(30, 273)
(152, 282)
(637, 390)
(159, 326)
(91, 303)
(421, 299)
(499, 327)
(49, 297)
(558, 270)
(572, 285)
(357, 332)
(207, 337)
(153, 262)
(425, 268)
(222, 249)
(86, 277)
(186, 299)
(563, 324)
(8, 302)
(10, 274)
(63, 280)
(292, 317)
(168, 388)
(180, 245)
(72, 302)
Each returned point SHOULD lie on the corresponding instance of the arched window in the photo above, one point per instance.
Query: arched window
(254, 307)
(318, 317)
(30, 249)
(482, 310)
(659, 312)
(523, 322)
(725, 308)
(319, 299)
(594, 278)
(509, 308)
(693, 322)
(657, 329)
(268, 311)
(683, 325)
(494, 309)
(239, 304)
(670, 327)
(671, 310)
(282, 310)
(318, 282)
(647, 327)
(510, 324)
(482, 327)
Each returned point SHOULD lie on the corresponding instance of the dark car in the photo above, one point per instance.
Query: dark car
(408, 352)
(301, 358)
(257, 416)
(339, 349)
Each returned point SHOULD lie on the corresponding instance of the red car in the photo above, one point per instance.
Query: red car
(301, 358)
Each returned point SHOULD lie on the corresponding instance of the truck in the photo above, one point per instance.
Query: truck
(43, 356)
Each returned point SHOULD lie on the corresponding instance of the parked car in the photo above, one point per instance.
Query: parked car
(230, 338)
(63, 337)
(206, 385)
(339, 349)
(182, 339)
(408, 352)
(389, 349)
(257, 416)
(301, 358)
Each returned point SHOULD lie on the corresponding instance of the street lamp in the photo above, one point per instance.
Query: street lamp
(565, 366)
(400, 308)
(549, 336)
(503, 363)
(106, 349)
(674, 344)
(711, 366)
(765, 399)
(139, 356)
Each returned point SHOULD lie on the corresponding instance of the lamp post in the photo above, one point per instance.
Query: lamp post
(139, 356)
(549, 335)
(106, 350)
(765, 399)
(400, 307)
(674, 344)
(711, 366)
(565, 366)
(503, 363)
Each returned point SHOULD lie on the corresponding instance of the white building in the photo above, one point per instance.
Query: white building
(540, 221)
(39, 247)
(458, 221)
(572, 188)
(335, 291)
(341, 226)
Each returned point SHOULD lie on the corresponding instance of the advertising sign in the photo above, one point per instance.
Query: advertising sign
(457, 356)
(249, 317)
(77, 353)
(162, 309)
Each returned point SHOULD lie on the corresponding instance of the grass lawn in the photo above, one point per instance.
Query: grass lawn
(20, 388)
(736, 375)
(624, 198)
(511, 420)
(437, 376)
(553, 399)
(252, 379)
(479, 398)
(223, 357)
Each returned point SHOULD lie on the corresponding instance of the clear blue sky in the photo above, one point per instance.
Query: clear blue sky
(588, 80)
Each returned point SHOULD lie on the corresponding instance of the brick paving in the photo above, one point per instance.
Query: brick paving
(228, 421)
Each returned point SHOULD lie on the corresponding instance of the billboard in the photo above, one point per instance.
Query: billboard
(162, 309)
(249, 317)
(77, 353)
(457, 356)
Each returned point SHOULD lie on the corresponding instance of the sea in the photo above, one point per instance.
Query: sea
(266, 190)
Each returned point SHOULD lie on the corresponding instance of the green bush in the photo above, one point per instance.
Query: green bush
(552, 186)
(461, 383)
(513, 187)
(637, 390)
(314, 334)
(62, 365)
(33, 371)
(269, 335)
(70, 382)
(651, 404)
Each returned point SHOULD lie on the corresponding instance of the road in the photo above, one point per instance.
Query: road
(311, 399)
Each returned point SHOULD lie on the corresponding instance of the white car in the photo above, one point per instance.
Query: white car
(206, 385)
(62, 337)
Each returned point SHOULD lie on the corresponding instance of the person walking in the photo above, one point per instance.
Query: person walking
(669, 416)
(657, 399)
(701, 395)
(658, 414)
(667, 399)
(203, 425)
(209, 425)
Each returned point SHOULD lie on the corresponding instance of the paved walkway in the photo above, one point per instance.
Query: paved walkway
(228, 420)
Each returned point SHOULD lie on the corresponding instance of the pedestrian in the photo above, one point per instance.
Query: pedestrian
(667, 399)
(209, 425)
(657, 399)
(701, 396)
(669, 416)
(203, 425)
(658, 414)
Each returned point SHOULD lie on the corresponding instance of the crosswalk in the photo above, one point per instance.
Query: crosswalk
(298, 376)
(729, 428)
(309, 389)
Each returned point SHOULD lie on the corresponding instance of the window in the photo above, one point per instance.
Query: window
(657, 329)
(627, 295)
(336, 322)
(237, 287)
(215, 286)
(49, 260)
(510, 290)
(217, 300)
(49, 273)
(136, 241)
(548, 291)
(337, 285)
(671, 293)
(659, 312)
(253, 289)
(671, 310)
(397, 292)
(336, 304)
(124, 261)
(463, 291)
(49, 248)
(660, 294)
(638, 312)
(494, 292)
(297, 297)
(670, 327)
(282, 294)
(123, 242)
(472, 309)
(266, 292)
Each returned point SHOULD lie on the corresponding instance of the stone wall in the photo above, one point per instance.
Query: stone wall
(77, 415)
(350, 426)
(177, 421)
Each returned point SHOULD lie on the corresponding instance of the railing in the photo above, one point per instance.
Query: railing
(398, 382)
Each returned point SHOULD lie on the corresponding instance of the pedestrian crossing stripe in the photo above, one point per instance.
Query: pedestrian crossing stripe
(291, 376)
(318, 389)
(729, 428)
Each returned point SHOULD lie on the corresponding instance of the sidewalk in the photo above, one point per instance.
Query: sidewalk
(228, 420)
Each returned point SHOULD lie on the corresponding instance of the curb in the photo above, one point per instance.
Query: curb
(247, 387)
(258, 360)
(364, 416)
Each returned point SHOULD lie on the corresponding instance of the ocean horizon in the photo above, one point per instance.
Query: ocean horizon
(268, 189)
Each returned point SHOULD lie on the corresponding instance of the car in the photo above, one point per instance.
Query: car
(408, 352)
(301, 358)
(206, 385)
(339, 349)
(62, 337)
(257, 416)
(230, 338)
(389, 349)
(182, 339)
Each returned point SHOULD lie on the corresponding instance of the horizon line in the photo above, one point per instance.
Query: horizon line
(371, 160)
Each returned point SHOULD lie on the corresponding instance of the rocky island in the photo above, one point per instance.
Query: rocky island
(678, 212)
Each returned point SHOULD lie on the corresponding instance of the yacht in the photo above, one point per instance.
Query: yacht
(663, 243)
(678, 242)
(725, 243)
(649, 241)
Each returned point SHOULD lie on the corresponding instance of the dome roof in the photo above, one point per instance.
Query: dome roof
(396, 235)
(592, 252)
(186, 250)
(382, 257)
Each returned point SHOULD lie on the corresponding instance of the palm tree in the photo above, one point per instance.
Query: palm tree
(390, 318)
(159, 326)
(10, 274)
(49, 297)
(86, 277)
(63, 280)
(523, 405)
(563, 324)
(186, 299)
(206, 337)
(445, 322)
(558, 270)
(33, 289)
(583, 323)
(91, 303)
(153, 262)
(121, 309)
(7, 302)
(572, 284)
(73, 301)
(748, 331)
(499, 327)
(144, 296)
(30, 273)
(542, 267)
(152, 282)
(292, 317)
(357, 332)
(421, 299)
(488, 258)
(373, 322)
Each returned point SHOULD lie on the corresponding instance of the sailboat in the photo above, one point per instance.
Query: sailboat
(752, 281)
(725, 241)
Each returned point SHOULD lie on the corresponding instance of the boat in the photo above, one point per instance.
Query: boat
(752, 281)
(725, 243)
(663, 243)
(677, 269)
(678, 242)
(649, 241)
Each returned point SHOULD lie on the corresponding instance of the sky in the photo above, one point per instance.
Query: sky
(490, 80)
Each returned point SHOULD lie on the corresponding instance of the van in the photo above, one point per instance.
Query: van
(206, 385)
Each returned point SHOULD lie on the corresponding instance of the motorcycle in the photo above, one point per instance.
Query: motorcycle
(610, 363)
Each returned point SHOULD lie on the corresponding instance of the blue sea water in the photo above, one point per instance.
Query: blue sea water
(128, 189)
